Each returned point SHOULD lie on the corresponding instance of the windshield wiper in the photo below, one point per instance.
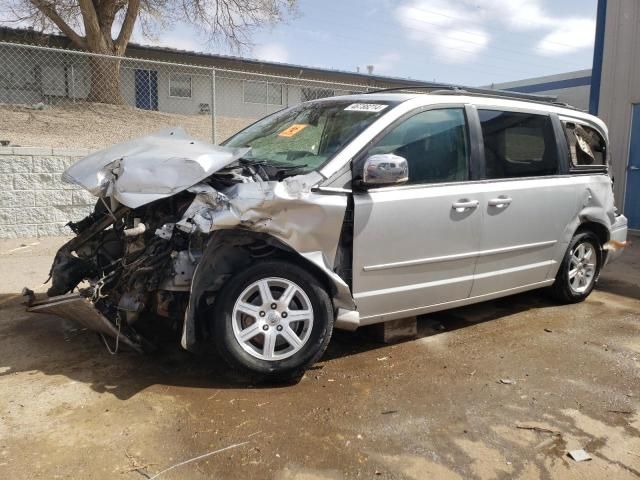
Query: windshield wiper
(270, 163)
(272, 169)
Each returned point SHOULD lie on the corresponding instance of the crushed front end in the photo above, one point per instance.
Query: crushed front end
(124, 262)
(150, 249)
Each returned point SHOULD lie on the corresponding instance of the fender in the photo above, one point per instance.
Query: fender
(228, 251)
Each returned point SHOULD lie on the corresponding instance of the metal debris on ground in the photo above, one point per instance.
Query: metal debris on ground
(537, 428)
(507, 381)
(579, 455)
(200, 457)
(136, 466)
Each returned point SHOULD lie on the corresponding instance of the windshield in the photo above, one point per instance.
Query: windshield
(306, 136)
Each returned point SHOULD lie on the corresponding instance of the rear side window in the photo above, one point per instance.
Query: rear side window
(586, 146)
(518, 144)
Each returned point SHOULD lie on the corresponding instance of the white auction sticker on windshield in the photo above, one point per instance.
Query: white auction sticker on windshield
(366, 107)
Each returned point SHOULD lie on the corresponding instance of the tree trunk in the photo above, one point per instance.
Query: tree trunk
(105, 81)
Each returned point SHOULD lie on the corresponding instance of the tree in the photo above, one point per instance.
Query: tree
(105, 26)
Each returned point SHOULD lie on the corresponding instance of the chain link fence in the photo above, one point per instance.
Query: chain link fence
(64, 98)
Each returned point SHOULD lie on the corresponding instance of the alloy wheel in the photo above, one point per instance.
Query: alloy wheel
(272, 319)
(582, 267)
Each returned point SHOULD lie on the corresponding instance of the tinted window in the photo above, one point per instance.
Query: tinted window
(518, 144)
(586, 146)
(434, 143)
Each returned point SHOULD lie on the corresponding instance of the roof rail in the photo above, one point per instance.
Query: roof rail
(446, 89)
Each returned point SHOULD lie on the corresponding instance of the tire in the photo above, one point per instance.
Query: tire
(573, 284)
(255, 338)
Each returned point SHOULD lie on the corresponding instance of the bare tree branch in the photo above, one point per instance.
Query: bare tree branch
(231, 22)
(93, 34)
(133, 8)
(50, 11)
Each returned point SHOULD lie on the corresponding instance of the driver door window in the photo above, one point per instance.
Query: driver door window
(434, 143)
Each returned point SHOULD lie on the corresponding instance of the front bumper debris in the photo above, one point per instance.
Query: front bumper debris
(79, 309)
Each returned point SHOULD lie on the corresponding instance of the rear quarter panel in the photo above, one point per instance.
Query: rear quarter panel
(594, 203)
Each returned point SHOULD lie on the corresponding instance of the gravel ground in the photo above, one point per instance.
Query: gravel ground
(431, 408)
(94, 125)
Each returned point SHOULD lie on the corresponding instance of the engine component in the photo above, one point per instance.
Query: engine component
(68, 271)
(138, 229)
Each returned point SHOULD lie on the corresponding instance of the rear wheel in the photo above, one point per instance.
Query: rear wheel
(580, 269)
(273, 319)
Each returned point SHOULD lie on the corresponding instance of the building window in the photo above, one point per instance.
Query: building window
(180, 85)
(311, 93)
(518, 144)
(263, 92)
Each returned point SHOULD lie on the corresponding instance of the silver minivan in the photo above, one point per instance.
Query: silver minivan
(341, 212)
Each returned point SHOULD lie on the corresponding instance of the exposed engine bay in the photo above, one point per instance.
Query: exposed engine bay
(138, 251)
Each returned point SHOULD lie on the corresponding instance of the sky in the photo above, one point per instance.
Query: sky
(467, 42)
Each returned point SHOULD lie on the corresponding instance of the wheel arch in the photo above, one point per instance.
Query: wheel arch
(228, 251)
(598, 229)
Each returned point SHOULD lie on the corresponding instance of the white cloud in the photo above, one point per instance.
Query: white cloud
(438, 23)
(462, 45)
(459, 30)
(271, 52)
(569, 37)
(516, 14)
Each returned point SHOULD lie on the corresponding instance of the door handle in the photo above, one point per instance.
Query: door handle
(462, 205)
(501, 202)
(633, 168)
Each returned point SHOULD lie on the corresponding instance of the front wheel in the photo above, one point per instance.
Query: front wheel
(580, 269)
(273, 319)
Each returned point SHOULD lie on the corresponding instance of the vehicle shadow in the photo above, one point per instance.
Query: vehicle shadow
(364, 339)
(619, 287)
(34, 342)
(54, 346)
(622, 277)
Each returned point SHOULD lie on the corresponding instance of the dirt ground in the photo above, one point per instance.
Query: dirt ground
(431, 408)
(95, 125)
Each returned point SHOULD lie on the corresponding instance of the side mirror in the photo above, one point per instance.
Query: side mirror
(385, 169)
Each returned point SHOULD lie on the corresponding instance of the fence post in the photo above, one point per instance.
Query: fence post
(73, 84)
(213, 106)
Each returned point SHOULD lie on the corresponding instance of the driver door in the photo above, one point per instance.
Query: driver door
(415, 244)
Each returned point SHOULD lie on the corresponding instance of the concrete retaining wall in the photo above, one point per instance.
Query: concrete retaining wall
(34, 202)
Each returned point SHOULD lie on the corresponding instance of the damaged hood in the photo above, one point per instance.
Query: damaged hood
(149, 168)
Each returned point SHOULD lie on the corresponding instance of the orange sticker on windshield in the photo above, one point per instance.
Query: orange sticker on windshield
(293, 130)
